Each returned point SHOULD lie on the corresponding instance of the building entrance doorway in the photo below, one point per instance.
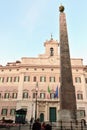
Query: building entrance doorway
(41, 117)
(52, 114)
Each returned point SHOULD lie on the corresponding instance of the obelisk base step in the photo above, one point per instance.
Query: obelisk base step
(66, 119)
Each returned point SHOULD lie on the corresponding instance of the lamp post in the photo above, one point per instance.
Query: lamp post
(36, 93)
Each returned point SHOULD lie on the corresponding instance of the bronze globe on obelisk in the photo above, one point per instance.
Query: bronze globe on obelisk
(68, 107)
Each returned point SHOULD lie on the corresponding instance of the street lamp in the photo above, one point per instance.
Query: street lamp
(36, 93)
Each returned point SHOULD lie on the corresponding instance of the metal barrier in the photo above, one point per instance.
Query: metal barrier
(13, 126)
(77, 125)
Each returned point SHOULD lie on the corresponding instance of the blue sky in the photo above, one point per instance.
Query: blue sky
(26, 24)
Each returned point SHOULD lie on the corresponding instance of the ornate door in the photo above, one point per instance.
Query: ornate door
(52, 114)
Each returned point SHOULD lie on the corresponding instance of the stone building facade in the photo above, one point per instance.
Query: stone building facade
(19, 80)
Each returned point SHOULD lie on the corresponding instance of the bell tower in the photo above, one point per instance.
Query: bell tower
(51, 48)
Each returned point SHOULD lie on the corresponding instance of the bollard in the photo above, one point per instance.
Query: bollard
(81, 125)
(71, 125)
(19, 127)
(61, 125)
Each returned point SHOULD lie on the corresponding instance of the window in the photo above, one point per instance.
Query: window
(42, 79)
(51, 95)
(51, 69)
(42, 95)
(81, 113)
(51, 51)
(79, 96)
(16, 79)
(9, 79)
(1, 79)
(34, 95)
(14, 95)
(77, 79)
(4, 112)
(26, 78)
(86, 80)
(6, 95)
(25, 94)
(34, 79)
(0, 95)
(52, 79)
(12, 112)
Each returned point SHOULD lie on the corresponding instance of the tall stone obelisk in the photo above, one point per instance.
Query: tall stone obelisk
(68, 107)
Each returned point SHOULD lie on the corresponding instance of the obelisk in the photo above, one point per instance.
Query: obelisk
(68, 107)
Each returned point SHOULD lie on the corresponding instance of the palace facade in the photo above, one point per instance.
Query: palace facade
(19, 80)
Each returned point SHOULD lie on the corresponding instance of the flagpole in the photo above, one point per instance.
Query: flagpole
(36, 92)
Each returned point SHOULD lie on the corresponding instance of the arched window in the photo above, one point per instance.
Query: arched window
(51, 51)
(41, 117)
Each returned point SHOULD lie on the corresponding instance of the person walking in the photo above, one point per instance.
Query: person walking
(43, 126)
(48, 127)
(36, 125)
